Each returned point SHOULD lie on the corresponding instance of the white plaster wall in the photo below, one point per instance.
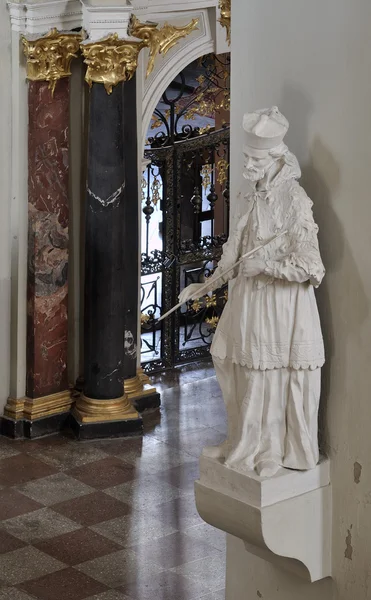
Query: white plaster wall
(5, 200)
(313, 60)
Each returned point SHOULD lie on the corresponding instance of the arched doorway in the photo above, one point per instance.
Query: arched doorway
(185, 205)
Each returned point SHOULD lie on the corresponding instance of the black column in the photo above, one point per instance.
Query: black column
(141, 395)
(103, 409)
(131, 237)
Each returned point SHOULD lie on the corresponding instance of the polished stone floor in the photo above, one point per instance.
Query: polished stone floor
(115, 519)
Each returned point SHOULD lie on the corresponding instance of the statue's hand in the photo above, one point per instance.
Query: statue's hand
(253, 267)
(191, 292)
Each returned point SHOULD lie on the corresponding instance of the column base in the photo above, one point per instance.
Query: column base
(92, 418)
(143, 376)
(36, 417)
(141, 395)
(148, 400)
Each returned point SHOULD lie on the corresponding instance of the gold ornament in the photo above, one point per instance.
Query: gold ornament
(205, 129)
(144, 188)
(111, 60)
(144, 319)
(49, 58)
(210, 301)
(196, 306)
(206, 175)
(155, 189)
(222, 171)
(213, 322)
(225, 17)
(159, 41)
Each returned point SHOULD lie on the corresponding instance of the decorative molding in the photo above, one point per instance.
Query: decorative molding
(99, 21)
(89, 410)
(38, 408)
(163, 6)
(225, 17)
(138, 386)
(14, 408)
(38, 18)
(102, 21)
(111, 60)
(49, 58)
(159, 40)
(142, 375)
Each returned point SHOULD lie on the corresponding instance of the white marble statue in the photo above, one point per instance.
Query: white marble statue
(268, 347)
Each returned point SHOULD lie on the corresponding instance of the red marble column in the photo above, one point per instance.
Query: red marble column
(48, 159)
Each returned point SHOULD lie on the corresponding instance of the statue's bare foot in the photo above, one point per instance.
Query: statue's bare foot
(215, 451)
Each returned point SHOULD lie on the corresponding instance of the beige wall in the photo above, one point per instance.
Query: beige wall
(5, 199)
(313, 60)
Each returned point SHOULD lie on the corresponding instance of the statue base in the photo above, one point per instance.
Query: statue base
(285, 519)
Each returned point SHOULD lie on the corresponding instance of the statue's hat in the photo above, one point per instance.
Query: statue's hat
(264, 130)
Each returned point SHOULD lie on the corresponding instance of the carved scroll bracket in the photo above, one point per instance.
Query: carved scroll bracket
(49, 57)
(159, 40)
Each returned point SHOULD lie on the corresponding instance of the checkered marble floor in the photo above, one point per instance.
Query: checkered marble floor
(115, 519)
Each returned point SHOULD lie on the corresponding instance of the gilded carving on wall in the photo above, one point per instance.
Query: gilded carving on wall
(225, 17)
(49, 58)
(159, 40)
(108, 61)
(111, 60)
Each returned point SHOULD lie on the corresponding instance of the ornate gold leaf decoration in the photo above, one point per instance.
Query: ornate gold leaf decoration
(49, 58)
(222, 171)
(196, 305)
(225, 17)
(143, 186)
(144, 319)
(206, 175)
(159, 40)
(210, 301)
(111, 60)
(213, 322)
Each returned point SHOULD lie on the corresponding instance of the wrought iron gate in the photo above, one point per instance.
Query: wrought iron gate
(185, 195)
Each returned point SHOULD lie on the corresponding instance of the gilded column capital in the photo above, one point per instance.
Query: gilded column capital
(159, 40)
(49, 57)
(225, 17)
(111, 60)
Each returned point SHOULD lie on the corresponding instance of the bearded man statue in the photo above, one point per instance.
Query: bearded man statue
(268, 348)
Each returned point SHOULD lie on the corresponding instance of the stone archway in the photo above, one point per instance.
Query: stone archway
(198, 43)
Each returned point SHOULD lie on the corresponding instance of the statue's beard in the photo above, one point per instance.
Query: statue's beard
(254, 175)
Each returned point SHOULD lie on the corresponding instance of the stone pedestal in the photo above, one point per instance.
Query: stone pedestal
(286, 519)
